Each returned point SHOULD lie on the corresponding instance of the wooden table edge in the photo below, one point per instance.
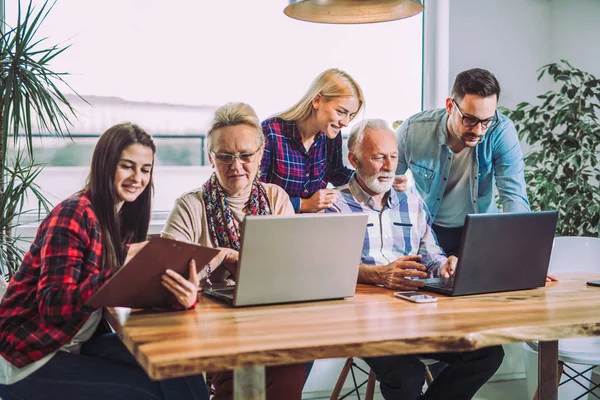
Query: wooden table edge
(275, 356)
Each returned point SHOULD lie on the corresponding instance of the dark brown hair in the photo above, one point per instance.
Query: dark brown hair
(476, 81)
(131, 223)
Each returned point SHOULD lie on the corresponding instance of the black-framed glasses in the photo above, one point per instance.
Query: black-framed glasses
(227, 158)
(470, 122)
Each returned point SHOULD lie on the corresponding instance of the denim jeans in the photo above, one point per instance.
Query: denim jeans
(103, 370)
(402, 377)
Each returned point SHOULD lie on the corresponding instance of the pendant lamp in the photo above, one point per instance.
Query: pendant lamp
(352, 11)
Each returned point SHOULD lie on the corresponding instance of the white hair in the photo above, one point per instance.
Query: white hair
(358, 132)
(232, 114)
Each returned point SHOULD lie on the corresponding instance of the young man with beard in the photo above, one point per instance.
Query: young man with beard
(399, 244)
(457, 153)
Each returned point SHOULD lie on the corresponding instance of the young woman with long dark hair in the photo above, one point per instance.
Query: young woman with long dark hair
(51, 344)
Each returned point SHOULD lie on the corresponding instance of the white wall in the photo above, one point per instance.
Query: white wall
(513, 38)
(575, 33)
(509, 38)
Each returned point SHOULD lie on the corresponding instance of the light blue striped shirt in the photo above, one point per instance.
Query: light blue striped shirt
(402, 228)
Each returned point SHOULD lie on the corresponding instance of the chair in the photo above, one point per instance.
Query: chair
(350, 366)
(572, 254)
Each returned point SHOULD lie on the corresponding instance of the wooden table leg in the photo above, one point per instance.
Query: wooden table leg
(249, 383)
(548, 370)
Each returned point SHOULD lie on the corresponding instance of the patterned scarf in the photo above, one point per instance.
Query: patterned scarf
(224, 229)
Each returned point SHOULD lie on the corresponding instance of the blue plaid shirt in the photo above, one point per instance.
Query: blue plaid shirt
(402, 228)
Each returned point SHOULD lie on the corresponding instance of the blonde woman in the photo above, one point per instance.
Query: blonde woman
(303, 145)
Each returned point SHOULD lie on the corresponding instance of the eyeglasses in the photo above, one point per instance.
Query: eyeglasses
(227, 158)
(471, 122)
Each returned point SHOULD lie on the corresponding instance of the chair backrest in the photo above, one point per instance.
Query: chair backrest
(575, 253)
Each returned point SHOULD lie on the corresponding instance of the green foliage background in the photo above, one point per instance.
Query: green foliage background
(562, 168)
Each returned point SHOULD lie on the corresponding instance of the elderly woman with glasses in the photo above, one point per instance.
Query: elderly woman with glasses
(211, 216)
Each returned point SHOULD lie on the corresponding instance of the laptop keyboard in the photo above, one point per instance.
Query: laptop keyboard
(442, 283)
(223, 293)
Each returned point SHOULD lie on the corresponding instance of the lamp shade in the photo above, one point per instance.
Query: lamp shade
(352, 11)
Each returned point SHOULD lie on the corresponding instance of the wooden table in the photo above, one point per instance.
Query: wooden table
(215, 337)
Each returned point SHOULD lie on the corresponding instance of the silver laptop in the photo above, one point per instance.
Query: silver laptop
(501, 252)
(304, 257)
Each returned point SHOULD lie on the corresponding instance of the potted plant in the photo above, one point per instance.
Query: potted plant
(562, 168)
(29, 92)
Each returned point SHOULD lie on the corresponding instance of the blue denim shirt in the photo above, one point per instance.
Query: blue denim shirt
(499, 159)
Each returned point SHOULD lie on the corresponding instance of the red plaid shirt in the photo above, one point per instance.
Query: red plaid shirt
(44, 306)
(301, 173)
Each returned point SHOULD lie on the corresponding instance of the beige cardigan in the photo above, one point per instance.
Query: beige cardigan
(187, 221)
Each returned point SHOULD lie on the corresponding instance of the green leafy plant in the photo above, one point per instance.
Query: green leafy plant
(562, 167)
(29, 92)
(20, 182)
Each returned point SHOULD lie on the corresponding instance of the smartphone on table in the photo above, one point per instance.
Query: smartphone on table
(416, 297)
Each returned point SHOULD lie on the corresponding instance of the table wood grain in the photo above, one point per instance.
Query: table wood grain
(216, 337)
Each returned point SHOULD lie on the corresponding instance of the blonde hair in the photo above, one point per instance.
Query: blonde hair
(232, 114)
(330, 84)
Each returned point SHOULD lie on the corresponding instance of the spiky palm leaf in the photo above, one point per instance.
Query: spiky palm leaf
(20, 183)
(29, 88)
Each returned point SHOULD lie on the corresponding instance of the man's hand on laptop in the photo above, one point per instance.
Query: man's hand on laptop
(400, 183)
(551, 278)
(396, 273)
(449, 267)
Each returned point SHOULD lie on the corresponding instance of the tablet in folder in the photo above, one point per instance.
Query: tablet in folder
(138, 283)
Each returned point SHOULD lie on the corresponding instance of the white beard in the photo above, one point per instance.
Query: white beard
(373, 183)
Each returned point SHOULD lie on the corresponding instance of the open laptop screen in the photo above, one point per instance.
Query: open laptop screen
(504, 251)
(299, 258)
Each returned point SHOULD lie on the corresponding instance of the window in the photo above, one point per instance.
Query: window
(167, 65)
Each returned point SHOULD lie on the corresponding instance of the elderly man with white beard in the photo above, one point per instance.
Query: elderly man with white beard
(399, 246)
(399, 242)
